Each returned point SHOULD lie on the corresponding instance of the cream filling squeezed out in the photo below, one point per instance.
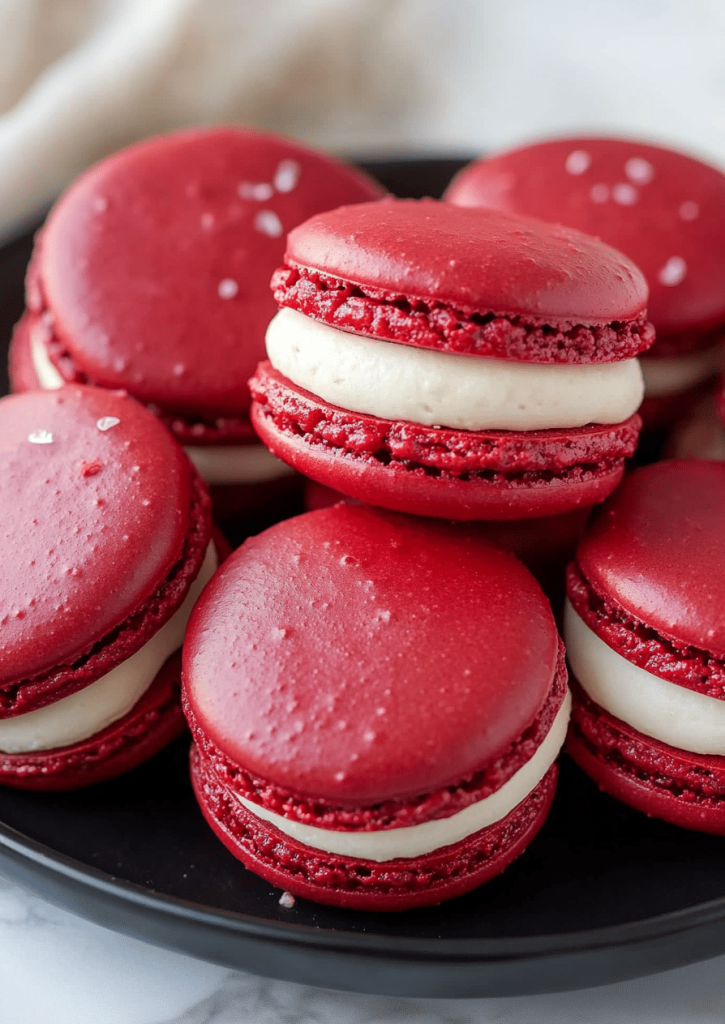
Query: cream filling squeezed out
(656, 707)
(417, 840)
(109, 698)
(400, 382)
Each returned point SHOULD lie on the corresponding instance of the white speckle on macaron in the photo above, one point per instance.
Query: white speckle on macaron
(287, 900)
(639, 170)
(259, 191)
(624, 194)
(40, 437)
(689, 210)
(228, 288)
(673, 272)
(287, 175)
(268, 223)
(578, 161)
(599, 193)
(106, 422)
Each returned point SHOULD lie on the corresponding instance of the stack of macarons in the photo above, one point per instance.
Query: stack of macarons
(665, 210)
(645, 636)
(453, 363)
(151, 274)
(377, 702)
(106, 545)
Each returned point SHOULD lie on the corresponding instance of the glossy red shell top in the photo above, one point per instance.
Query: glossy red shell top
(657, 548)
(665, 210)
(156, 263)
(474, 260)
(94, 508)
(358, 655)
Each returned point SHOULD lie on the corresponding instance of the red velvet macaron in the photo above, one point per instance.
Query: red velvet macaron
(377, 702)
(645, 638)
(152, 272)
(453, 363)
(665, 210)
(105, 528)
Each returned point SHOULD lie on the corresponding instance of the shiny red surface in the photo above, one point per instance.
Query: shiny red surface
(655, 204)
(91, 523)
(132, 257)
(478, 261)
(357, 655)
(405, 813)
(657, 549)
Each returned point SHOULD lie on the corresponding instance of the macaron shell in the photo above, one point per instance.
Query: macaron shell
(665, 210)
(357, 656)
(156, 263)
(657, 549)
(396, 488)
(152, 723)
(474, 260)
(432, 471)
(362, 884)
(683, 788)
(95, 500)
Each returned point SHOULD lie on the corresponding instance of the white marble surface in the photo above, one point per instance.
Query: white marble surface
(56, 968)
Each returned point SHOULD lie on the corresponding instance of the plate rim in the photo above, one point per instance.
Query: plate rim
(373, 945)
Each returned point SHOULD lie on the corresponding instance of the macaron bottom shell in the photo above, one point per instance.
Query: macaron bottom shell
(585, 465)
(363, 884)
(680, 787)
(150, 725)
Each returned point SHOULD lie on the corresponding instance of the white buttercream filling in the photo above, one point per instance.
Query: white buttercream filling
(217, 464)
(416, 840)
(48, 377)
(109, 698)
(400, 382)
(664, 377)
(656, 707)
(237, 464)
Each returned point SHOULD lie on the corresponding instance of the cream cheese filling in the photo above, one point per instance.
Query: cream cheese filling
(109, 698)
(400, 382)
(664, 377)
(217, 464)
(416, 840)
(656, 707)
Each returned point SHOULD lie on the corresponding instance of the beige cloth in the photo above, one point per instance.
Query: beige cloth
(80, 78)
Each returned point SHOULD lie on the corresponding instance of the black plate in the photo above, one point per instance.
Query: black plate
(602, 894)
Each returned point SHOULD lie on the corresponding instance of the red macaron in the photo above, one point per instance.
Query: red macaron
(665, 210)
(645, 639)
(442, 362)
(106, 542)
(377, 702)
(151, 274)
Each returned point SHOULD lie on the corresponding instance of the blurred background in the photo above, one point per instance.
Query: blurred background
(363, 78)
